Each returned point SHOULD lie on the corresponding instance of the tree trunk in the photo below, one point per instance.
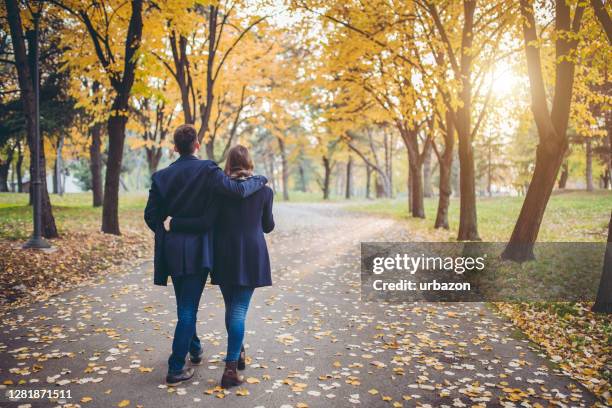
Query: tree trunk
(608, 166)
(548, 162)
(49, 230)
(552, 127)
(5, 165)
(379, 186)
(603, 17)
(302, 178)
(95, 164)
(589, 165)
(446, 166)
(368, 180)
(389, 163)
(417, 204)
(489, 171)
(285, 168)
(182, 75)
(116, 138)
(415, 172)
(427, 170)
(326, 177)
(468, 224)
(564, 175)
(409, 189)
(444, 198)
(206, 109)
(58, 168)
(603, 302)
(19, 168)
(12, 183)
(54, 179)
(349, 183)
(272, 172)
(117, 121)
(26, 87)
(153, 157)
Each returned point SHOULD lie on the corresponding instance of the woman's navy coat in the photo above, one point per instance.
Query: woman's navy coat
(240, 251)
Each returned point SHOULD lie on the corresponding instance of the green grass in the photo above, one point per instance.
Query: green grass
(570, 216)
(70, 211)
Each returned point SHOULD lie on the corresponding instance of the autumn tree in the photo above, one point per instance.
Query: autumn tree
(551, 124)
(154, 111)
(281, 101)
(24, 58)
(201, 48)
(450, 38)
(113, 47)
(375, 147)
(380, 85)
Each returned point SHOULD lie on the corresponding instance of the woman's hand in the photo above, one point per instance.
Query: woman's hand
(167, 223)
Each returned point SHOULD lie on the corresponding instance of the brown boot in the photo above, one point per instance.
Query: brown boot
(230, 375)
(242, 359)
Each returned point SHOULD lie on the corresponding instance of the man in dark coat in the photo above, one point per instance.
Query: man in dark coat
(187, 188)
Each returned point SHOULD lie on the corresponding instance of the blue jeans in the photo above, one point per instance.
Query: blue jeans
(188, 291)
(236, 300)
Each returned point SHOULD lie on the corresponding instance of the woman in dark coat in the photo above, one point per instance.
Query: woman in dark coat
(240, 258)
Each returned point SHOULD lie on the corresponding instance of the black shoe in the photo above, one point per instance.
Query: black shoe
(242, 359)
(175, 379)
(196, 360)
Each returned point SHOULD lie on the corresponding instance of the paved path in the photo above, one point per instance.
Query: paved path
(310, 338)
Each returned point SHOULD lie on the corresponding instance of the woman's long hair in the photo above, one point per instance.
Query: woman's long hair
(239, 163)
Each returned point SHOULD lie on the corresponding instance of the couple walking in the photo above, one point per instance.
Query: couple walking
(207, 220)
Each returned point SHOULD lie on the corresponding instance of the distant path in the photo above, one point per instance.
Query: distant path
(311, 339)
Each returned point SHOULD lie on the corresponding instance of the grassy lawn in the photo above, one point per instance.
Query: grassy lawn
(570, 216)
(71, 211)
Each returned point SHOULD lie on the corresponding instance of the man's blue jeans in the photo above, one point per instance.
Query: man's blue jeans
(188, 291)
(237, 299)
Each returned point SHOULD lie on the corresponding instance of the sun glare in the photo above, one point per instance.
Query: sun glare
(504, 81)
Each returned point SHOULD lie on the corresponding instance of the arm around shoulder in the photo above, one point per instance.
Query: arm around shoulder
(223, 184)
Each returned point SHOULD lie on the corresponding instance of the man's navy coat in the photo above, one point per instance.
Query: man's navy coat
(188, 188)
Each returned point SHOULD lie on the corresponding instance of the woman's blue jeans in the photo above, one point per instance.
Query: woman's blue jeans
(237, 299)
(188, 291)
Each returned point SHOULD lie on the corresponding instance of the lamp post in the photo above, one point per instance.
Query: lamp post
(36, 241)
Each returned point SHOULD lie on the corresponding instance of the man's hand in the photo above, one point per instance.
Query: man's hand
(263, 179)
(167, 223)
